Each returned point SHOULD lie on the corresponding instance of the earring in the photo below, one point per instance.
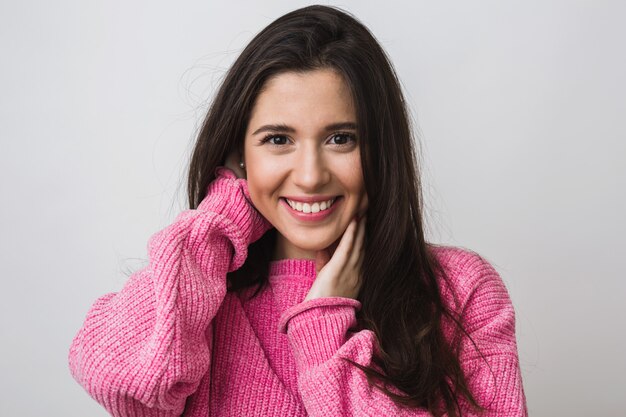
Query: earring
(242, 165)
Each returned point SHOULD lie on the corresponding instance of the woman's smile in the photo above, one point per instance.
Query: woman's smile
(310, 204)
(314, 211)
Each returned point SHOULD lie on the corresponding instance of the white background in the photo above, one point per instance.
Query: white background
(520, 112)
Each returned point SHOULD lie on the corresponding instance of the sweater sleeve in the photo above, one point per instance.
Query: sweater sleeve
(143, 350)
(319, 333)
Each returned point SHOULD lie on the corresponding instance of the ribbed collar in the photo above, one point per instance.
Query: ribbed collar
(290, 281)
(293, 267)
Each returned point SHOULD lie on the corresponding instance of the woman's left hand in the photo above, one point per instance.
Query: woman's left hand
(339, 273)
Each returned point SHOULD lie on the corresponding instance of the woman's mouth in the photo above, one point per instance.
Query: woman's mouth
(310, 207)
(311, 210)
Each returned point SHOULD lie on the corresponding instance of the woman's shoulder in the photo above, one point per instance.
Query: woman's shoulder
(455, 259)
(467, 274)
(482, 301)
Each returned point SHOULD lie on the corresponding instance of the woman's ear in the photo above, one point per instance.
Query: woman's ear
(233, 162)
(242, 162)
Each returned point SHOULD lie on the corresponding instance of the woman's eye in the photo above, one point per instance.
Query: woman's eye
(276, 139)
(342, 138)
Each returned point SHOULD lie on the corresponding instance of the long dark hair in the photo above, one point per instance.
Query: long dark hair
(400, 294)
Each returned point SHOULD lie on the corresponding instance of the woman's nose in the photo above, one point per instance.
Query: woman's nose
(310, 171)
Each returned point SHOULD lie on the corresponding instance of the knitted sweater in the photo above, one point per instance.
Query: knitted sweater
(174, 342)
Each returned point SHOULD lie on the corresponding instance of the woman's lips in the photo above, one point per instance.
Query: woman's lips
(311, 217)
(310, 206)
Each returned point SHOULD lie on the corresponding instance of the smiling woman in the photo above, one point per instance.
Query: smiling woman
(299, 281)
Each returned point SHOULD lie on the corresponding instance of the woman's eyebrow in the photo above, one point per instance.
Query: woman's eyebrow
(289, 129)
(342, 126)
(274, 128)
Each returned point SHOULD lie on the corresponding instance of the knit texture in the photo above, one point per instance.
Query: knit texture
(173, 342)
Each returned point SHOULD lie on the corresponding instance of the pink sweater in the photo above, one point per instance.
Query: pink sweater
(173, 342)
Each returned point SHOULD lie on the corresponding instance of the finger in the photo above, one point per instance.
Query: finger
(357, 256)
(363, 206)
(357, 249)
(342, 252)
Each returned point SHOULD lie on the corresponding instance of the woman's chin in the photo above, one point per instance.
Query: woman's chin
(312, 248)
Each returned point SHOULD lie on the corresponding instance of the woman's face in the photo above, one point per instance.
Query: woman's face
(301, 153)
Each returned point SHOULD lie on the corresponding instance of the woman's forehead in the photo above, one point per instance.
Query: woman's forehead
(318, 96)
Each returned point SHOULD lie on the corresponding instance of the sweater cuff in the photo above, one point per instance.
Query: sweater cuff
(317, 328)
(229, 196)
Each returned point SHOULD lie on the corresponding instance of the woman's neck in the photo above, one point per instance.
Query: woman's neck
(286, 250)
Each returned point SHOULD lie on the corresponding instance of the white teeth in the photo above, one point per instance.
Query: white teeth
(310, 208)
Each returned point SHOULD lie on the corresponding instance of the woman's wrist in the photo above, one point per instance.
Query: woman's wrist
(228, 196)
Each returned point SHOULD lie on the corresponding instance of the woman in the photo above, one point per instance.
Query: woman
(299, 282)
